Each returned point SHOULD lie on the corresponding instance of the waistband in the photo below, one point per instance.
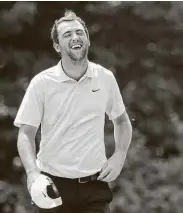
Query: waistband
(79, 180)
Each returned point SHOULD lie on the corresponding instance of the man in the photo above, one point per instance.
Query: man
(70, 100)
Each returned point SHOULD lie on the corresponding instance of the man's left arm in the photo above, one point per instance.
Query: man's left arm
(122, 136)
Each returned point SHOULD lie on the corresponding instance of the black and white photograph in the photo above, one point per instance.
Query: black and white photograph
(91, 107)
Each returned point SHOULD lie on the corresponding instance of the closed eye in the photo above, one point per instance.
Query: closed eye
(80, 32)
(67, 34)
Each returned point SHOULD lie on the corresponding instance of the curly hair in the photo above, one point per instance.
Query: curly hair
(68, 16)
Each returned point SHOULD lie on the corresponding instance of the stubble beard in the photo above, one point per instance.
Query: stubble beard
(76, 58)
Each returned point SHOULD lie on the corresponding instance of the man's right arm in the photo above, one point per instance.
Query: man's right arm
(27, 150)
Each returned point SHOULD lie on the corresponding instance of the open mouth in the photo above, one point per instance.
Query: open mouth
(76, 47)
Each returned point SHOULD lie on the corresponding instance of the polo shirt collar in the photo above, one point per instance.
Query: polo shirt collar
(63, 77)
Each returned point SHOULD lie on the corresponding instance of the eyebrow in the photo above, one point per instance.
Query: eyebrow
(69, 31)
(66, 32)
(79, 30)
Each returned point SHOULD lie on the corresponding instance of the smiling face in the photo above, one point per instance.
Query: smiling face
(73, 41)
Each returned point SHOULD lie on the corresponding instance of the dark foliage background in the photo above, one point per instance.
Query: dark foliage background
(141, 42)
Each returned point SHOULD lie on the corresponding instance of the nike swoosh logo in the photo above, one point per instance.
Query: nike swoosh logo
(44, 194)
(95, 90)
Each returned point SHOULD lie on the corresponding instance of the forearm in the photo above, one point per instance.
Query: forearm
(122, 135)
(27, 151)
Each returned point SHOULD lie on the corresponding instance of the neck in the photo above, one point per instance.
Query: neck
(74, 69)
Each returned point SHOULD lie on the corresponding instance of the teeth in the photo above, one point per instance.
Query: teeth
(76, 46)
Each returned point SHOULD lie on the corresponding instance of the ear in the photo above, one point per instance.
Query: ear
(88, 42)
(56, 47)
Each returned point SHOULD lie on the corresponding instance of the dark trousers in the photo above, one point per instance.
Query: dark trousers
(90, 197)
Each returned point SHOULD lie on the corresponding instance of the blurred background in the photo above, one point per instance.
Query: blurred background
(142, 43)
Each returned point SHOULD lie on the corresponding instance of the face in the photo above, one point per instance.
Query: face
(73, 41)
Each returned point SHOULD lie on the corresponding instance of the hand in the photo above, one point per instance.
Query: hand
(31, 178)
(112, 168)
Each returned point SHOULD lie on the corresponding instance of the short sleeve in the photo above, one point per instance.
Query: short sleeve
(115, 106)
(31, 108)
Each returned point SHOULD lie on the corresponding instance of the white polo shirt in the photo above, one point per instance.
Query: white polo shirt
(72, 117)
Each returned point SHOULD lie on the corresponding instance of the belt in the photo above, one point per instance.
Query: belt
(81, 179)
(88, 178)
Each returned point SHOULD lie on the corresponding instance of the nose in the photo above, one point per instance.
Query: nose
(75, 37)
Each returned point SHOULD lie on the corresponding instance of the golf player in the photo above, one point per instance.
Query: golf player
(71, 173)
